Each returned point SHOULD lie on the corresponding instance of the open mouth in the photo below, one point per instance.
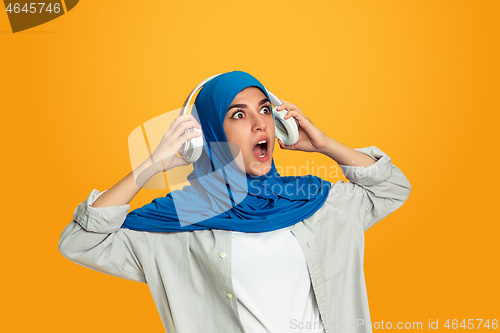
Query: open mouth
(260, 150)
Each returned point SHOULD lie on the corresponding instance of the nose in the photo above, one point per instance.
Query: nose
(259, 123)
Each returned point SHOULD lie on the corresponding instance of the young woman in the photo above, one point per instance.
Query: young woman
(243, 249)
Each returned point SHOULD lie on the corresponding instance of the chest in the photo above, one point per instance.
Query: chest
(267, 257)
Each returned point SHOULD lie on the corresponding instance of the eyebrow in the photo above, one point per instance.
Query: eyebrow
(242, 106)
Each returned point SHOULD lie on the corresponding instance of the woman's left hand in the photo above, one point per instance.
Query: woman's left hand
(311, 138)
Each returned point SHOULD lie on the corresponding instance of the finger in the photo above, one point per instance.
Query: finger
(186, 136)
(182, 127)
(298, 112)
(187, 125)
(282, 145)
(183, 118)
(295, 114)
(180, 141)
(289, 107)
(189, 117)
(293, 107)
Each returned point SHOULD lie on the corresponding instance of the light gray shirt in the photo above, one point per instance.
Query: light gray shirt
(189, 273)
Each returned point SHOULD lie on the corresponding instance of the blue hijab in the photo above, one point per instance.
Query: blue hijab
(221, 196)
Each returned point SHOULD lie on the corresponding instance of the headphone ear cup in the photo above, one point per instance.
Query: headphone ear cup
(285, 130)
(193, 147)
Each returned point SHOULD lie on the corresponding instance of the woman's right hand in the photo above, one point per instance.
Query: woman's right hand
(164, 156)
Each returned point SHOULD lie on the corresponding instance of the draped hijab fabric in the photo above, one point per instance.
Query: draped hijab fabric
(221, 196)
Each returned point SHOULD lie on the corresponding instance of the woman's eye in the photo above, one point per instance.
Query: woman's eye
(266, 108)
(235, 115)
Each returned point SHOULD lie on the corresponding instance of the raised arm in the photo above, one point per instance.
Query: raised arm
(374, 191)
(95, 238)
(377, 187)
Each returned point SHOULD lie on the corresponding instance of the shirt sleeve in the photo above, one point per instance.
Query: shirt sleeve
(94, 239)
(374, 191)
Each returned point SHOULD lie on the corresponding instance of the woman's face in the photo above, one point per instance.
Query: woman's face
(249, 120)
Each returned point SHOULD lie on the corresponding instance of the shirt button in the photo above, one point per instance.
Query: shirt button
(223, 254)
(229, 295)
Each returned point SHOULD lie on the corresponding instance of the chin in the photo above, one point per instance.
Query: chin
(259, 168)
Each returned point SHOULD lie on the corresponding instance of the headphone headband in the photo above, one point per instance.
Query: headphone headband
(273, 99)
(184, 108)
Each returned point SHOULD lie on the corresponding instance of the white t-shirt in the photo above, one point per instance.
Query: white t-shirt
(272, 284)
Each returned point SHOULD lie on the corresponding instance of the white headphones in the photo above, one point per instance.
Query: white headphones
(285, 130)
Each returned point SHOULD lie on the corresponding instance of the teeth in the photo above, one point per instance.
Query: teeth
(263, 141)
(264, 151)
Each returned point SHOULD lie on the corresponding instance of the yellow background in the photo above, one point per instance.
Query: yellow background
(418, 79)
